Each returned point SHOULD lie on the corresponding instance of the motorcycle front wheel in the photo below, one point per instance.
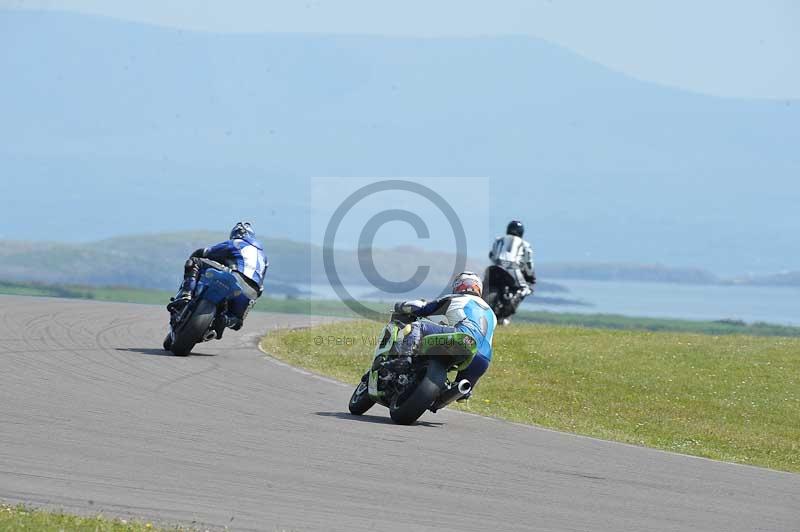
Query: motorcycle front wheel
(492, 299)
(360, 401)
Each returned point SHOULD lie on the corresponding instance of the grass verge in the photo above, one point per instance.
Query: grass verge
(161, 297)
(734, 398)
(14, 518)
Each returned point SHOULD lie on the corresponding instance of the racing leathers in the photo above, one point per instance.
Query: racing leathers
(245, 259)
(515, 255)
(464, 313)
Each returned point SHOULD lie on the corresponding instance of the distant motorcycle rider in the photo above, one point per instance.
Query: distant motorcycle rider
(243, 255)
(515, 255)
(464, 311)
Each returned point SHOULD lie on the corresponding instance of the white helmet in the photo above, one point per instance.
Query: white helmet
(468, 283)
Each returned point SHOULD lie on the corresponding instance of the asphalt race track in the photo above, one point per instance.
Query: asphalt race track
(95, 418)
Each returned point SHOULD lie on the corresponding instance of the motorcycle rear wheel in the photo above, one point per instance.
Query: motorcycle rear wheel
(193, 330)
(423, 396)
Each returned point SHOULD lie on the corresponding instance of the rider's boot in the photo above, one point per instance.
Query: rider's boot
(180, 300)
(183, 296)
(225, 321)
(191, 271)
(233, 322)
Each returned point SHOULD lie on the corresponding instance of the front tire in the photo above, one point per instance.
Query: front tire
(193, 330)
(422, 397)
(492, 299)
(167, 345)
(360, 401)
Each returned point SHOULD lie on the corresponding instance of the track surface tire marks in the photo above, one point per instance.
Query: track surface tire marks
(94, 417)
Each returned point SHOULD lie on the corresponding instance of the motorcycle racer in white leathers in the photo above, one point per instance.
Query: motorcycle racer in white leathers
(515, 255)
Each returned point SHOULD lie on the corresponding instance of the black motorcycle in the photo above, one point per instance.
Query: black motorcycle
(502, 292)
(410, 385)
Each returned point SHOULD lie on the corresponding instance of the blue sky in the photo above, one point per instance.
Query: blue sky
(732, 48)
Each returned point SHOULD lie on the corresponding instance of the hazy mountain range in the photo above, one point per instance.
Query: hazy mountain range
(156, 261)
(111, 128)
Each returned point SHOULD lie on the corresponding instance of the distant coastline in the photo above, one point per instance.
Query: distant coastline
(658, 273)
(154, 261)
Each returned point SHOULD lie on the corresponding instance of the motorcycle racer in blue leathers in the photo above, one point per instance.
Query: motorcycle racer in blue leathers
(462, 311)
(243, 255)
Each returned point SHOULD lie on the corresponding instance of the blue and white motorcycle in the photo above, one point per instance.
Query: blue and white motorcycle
(206, 315)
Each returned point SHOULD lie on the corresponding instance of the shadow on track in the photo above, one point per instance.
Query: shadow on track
(379, 420)
(159, 352)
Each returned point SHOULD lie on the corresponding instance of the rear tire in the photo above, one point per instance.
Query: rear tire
(422, 397)
(193, 330)
(360, 401)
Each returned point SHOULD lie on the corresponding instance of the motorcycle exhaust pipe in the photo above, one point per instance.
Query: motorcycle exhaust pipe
(464, 386)
(454, 393)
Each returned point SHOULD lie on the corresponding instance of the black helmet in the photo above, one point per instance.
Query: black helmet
(515, 228)
(242, 230)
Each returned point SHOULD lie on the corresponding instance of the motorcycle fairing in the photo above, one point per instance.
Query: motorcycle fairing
(458, 345)
(217, 286)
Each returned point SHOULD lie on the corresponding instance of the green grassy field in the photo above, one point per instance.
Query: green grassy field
(16, 518)
(130, 295)
(627, 323)
(732, 397)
